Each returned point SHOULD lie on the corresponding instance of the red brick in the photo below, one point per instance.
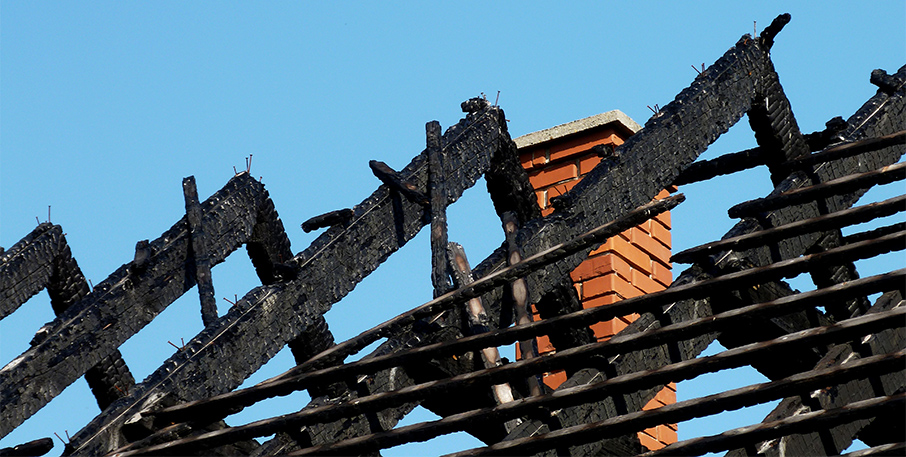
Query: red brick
(656, 250)
(569, 148)
(618, 325)
(544, 344)
(629, 318)
(664, 219)
(587, 163)
(553, 175)
(661, 274)
(661, 235)
(666, 396)
(632, 254)
(606, 284)
(649, 442)
(553, 380)
(539, 157)
(603, 330)
(547, 211)
(666, 435)
(526, 158)
(642, 282)
(603, 300)
(662, 194)
(645, 226)
(542, 198)
(601, 265)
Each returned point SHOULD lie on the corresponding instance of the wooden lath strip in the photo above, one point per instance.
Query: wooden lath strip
(617, 345)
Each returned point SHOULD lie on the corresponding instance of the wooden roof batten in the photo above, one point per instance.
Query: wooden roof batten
(854, 346)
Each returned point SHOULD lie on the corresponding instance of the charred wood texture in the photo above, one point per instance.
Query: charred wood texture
(836, 396)
(43, 260)
(238, 343)
(197, 255)
(37, 447)
(875, 118)
(437, 190)
(338, 217)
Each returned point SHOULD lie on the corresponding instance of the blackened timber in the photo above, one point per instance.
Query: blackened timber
(338, 217)
(225, 353)
(477, 318)
(839, 186)
(616, 345)
(880, 115)
(32, 448)
(878, 342)
(518, 291)
(392, 179)
(775, 127)
(43, 260)
(26, 267)
(803, 423)
(494, 280)
(887, 83)
(849, 149)
(835, 274)
(95, 326)
(733, 358)
(198, 255)
(723, 165)
(876, 233)
(684, 370)
(826, 222)
(440, 266)
(890, 449)
(818, 378)
(691, 409)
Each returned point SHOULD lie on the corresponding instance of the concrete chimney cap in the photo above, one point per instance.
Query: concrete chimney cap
(581, 125)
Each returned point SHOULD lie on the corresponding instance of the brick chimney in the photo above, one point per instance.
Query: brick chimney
(634, 263)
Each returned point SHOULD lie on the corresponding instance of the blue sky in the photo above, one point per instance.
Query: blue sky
(106, 106)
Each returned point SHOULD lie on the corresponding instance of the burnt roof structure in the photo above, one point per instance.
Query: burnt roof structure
(835, 359)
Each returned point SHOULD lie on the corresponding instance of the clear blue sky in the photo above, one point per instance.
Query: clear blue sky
(105, 107)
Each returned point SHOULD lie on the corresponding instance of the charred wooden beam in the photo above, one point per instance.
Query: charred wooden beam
(42, 260)
(492, 281)
(805, 422)
(392, 179)
(338, 217)
(849, 149)
(686, 410)
(95, 326)
(845, 185)
(889, 84)
(829, 275)
(729, 359)
(511, 191)
(325, 272)
(876, 233)
(198, 254)
(437, 190)
(296, 379)
(832, 221)
(877, 117)
(518, 291)
(32, 448)
(723, 165)
(690, 409)
(754, 157)
(775, 127)
(879, 342)
(477, 318)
